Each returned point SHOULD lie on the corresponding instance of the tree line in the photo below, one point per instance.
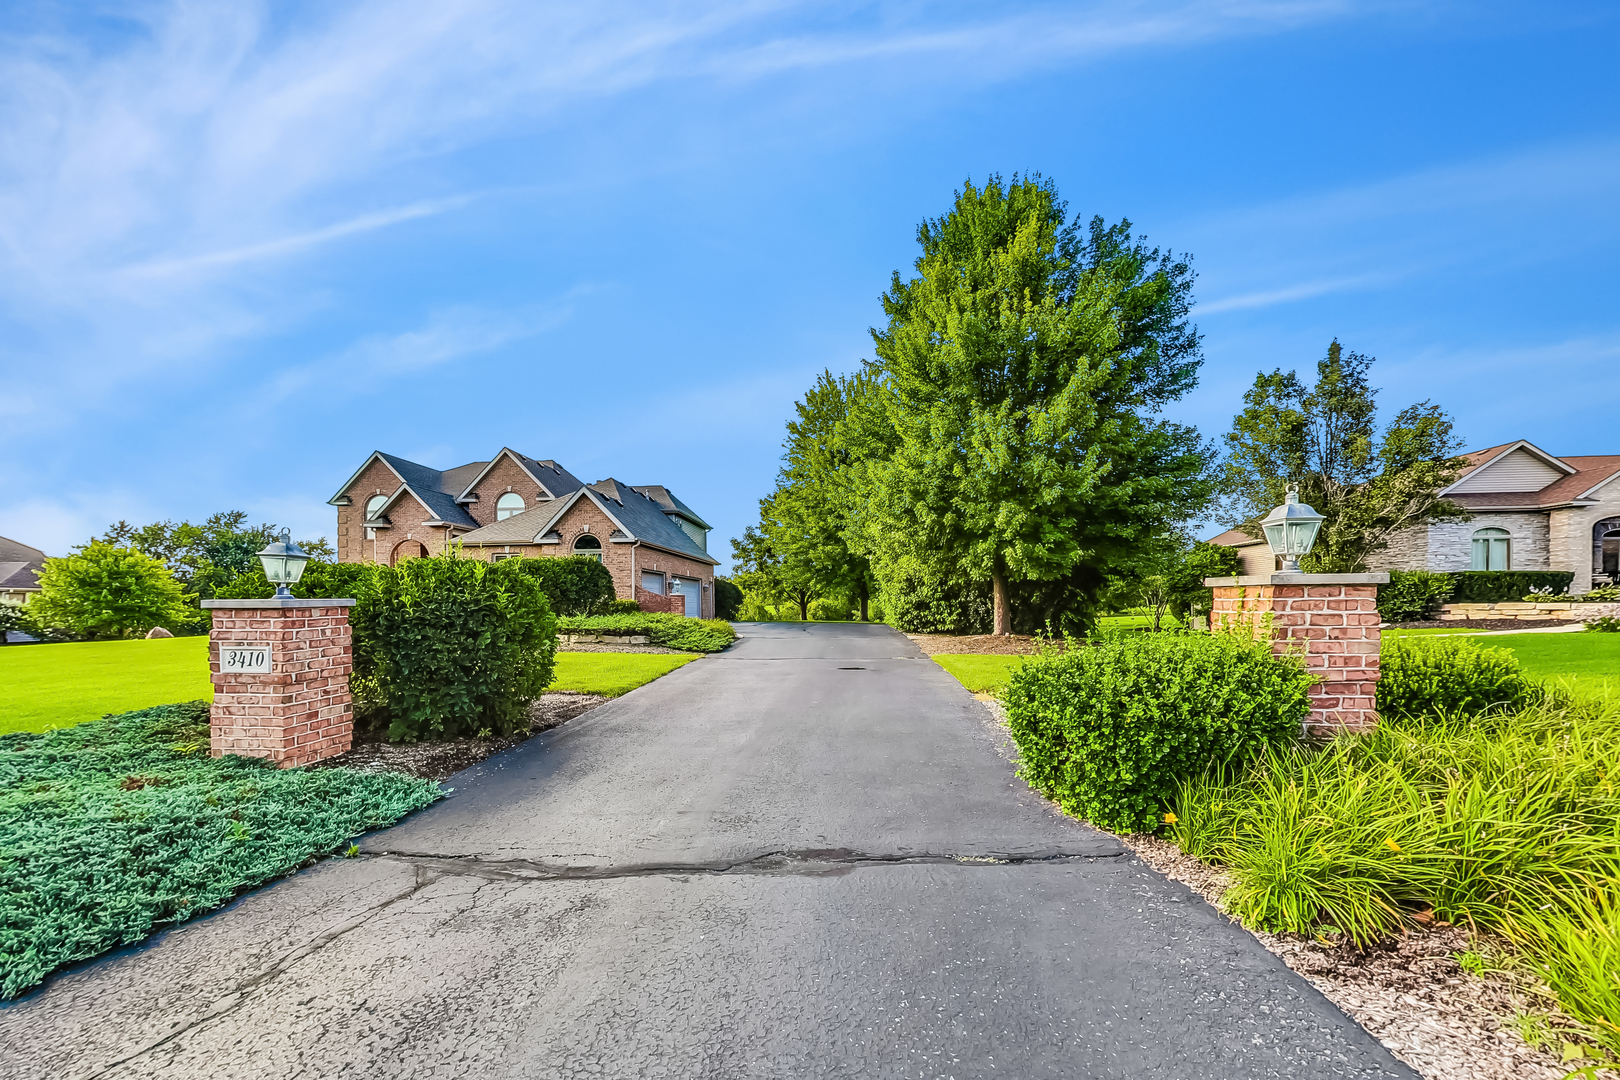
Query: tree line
(1003, 463)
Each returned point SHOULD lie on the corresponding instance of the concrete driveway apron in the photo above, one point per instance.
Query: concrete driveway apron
(808, 856)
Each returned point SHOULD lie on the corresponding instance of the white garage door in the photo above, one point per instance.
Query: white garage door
(652, 582)
(692, 591)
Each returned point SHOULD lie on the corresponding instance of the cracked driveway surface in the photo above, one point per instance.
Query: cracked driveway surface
(806, 857)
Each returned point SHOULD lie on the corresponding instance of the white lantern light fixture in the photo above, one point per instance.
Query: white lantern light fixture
(1291, 530)
(283, 564)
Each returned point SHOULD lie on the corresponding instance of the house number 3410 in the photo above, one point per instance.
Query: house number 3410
(247, 659)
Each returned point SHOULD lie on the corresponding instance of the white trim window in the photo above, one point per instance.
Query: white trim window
(508, 504)
(374, 506)
(1492, 550)
(588, 545)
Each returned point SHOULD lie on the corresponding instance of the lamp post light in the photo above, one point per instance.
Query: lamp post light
(283, 564)
(1291, 530)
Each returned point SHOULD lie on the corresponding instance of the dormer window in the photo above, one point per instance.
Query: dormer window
(507, 505)
(374, 506)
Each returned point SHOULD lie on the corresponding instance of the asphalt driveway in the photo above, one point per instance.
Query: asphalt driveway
(809, 856)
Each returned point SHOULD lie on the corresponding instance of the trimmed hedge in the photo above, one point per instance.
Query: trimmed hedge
(1109, 731)
(1503, 586)
(670, 631)
(115, 828)
(454, 646)
(1451, 677)
(575, 584)
(320, 581)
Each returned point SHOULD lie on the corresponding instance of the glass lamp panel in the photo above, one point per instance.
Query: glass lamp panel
(1274, 539)
(1302, 534)
(275, 568)
(294, 569)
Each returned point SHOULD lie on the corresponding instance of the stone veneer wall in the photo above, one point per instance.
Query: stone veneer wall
(1451, 543)
(1334, 626)
(298, 713)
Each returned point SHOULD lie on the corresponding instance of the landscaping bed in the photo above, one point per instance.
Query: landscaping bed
(113, 829)
(1478, 624)
(670, 631)
(439, 760)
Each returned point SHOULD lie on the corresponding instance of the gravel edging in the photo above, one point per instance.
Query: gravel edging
(440, 760)
(1409, 992)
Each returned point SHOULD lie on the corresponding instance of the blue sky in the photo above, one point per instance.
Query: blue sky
(242, 246)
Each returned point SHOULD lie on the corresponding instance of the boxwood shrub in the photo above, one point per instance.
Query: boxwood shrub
(671, 631)
(1451, 676)
(454, 646)
(1411, 595)
(1502, 586)
(1109, 730)
(575, 584)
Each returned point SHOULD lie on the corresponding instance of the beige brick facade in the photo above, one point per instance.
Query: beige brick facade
(1336, 629)
(503, 476)
(298, 712)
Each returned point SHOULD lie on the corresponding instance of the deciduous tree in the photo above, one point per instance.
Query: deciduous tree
(102, 591)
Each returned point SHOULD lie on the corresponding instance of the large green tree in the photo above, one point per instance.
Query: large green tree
(102, 591)
(1021, 373)
(1323, 439)
(204, 557)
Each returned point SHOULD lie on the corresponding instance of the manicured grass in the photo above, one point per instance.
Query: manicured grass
(51, 686)
(610, 673)
(1424, 631)
(1136, 622)
(115, 828)
(981, 673)
(1584, 662)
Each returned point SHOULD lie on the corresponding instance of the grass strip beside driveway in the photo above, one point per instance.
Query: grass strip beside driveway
(981, 673)
(52, 686)
(612, 674)
(115, 828)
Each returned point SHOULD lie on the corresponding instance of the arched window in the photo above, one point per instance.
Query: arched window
(588, 545)
(374, 506)
(507, 505)
(1492, 549)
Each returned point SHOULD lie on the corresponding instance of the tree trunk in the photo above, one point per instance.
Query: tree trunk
(1003, 617)
(804, 607)
(864, 616)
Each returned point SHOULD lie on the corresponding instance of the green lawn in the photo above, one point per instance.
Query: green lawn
(1136, 622)
(613, 673)
(52, 686)
(981, 673)
(1585, 663)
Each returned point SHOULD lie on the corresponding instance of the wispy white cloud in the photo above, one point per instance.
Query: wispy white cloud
(1290, 293)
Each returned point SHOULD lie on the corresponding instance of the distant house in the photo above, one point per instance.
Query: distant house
(514, 506)
(1531, 511)
(19, 570)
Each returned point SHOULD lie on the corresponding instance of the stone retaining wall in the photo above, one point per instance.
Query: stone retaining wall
(1526, 610)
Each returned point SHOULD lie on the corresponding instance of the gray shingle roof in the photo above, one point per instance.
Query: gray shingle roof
(429, 486)
(558, 480)
(520, 528)
(19, 575)
(669, 504)
(12, 551)
(646, 520)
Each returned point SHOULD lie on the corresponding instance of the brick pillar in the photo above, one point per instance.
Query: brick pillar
(281, 679)
(1332, 619)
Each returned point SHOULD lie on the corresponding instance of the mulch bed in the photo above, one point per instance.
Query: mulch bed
(1480, 624)
(439, 760)
(594, 647)
(1004, 644)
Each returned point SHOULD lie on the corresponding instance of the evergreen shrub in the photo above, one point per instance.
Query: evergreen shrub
(454, 646)
(1502, 586)
(320, 581)
(1109, 731)
(575, 584)
(829, 610)
(1450, 677)
(1412, 595)
(670, 631)
(619, 607)
(728, 598)
(115, 828)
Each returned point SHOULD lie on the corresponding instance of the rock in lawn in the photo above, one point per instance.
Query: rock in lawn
(157, 632)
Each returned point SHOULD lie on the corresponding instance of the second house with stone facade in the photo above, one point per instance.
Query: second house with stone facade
(1530, 510)
(514, 506)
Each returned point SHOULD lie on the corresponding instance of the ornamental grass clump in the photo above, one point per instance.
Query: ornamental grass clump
(1504, 820)
(1109, 731)
(112, 829)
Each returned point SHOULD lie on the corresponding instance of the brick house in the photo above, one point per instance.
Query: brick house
(1531, 511)
(19, 572)
(513, 506)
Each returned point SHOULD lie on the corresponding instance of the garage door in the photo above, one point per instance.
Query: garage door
(652, 582)
(692, 592)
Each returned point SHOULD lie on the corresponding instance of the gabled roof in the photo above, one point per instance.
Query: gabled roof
(551, 477)
(669, 504)
(427, 485)
(18, 565)
(13, 551)
(1582, 478)
(634, 514)
(1235, 538)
